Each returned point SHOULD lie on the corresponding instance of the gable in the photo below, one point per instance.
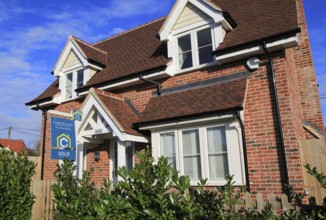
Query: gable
(190, 15)
(72, 60)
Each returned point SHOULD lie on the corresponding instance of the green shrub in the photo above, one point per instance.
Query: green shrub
(16, 172)
(74, 197)
(152, 191)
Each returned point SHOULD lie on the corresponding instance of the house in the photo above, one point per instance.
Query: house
(14, 145)
(217, 86)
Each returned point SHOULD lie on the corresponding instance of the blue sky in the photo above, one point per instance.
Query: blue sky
(33, 33)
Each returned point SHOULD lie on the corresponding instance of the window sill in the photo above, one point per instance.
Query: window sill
(192, 69)
(71, 99)
(216, 183)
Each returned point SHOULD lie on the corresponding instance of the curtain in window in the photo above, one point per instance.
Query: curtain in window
(217, 153)
(191, 154)
(168, 147)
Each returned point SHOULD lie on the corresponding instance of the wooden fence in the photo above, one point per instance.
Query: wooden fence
(38, 161)
(313, 152)
(43, 206)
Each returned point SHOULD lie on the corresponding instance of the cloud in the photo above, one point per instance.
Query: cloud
(34, 37)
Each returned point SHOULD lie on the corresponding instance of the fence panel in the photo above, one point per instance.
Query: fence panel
(38, 161)
(313, 152)
(43, 206)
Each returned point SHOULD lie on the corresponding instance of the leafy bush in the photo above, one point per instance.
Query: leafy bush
(152, 191)
(74, 197)
(16, 172)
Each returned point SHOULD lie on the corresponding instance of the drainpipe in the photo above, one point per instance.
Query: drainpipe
(158, 86)
(44, 139)
(278, 114)
(243, 134)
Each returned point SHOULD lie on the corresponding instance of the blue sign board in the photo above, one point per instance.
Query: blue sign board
(63, 139)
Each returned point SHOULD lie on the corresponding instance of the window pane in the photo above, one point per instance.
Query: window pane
(185, 54)
(217, 152)
(69, 85)
(168, 147)
(205, 55)
(191, 154)
(80, 79)
(184, 43)
(129, 158)
(204, 40)
(204, 37)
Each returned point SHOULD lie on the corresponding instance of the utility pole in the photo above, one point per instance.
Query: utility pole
(9, 132)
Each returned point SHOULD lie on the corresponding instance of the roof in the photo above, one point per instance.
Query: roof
(48, 94)
(132, 52)
(188, 103)
(140, 50)
(91, 52)
(14, 145)
(258, 19)
(117, 107)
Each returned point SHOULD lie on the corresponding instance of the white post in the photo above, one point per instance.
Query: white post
(80, 160)
(121, 155)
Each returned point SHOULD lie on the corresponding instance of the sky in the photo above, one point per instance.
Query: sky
(34, 32)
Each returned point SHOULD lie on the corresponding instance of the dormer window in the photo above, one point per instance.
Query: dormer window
(195, 48)
(73, 81)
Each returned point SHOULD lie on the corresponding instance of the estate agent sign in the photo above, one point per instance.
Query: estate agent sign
(63, 139)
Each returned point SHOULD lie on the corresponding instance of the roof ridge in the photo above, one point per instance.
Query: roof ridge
(130, 30)
(87, 44)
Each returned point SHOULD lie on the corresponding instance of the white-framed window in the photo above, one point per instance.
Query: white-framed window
(210, 151)
(195, 48)
(72, 81)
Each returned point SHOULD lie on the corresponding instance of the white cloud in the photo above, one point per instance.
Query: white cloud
(25, 48)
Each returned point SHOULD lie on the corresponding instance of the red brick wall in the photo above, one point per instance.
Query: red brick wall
(101, 168)
(306, 74)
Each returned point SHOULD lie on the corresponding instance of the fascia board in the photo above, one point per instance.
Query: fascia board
(70, 45)
(256, 50)
(211, 11)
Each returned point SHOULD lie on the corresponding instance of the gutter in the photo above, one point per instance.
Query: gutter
(278, 114)
(244, 145)
(131, 76)
(256, 42)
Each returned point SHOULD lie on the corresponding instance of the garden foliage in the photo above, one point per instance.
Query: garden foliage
(16, 172)
(150, 191)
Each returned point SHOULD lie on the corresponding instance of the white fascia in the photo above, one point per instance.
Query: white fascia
(70, 45)
(161, 126)
(92, 101)
(211, 11)
(256, 50)
(129, 82)
(42, 104)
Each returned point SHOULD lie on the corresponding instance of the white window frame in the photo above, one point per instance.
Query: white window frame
(234, 149)
(74, 73)
(194, 48)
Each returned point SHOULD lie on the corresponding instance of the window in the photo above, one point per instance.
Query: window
(69, 86)
(73, 81)
(168, 147)
(129, 156)
(80, 79)
(207, 151)
(195, 49)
